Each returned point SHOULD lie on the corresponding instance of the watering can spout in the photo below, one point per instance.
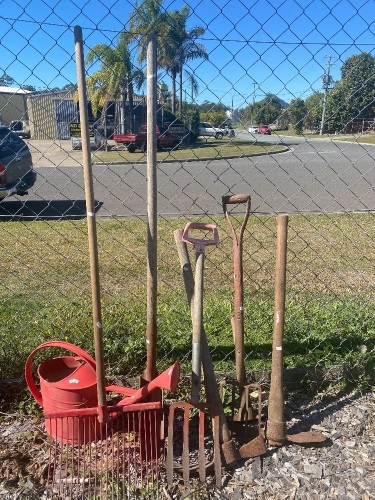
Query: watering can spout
(167, 380)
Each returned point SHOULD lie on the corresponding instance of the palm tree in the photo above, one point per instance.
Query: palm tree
(115, 79)
(175, 43)
(183, 47)
(147, 18)
(193, 82)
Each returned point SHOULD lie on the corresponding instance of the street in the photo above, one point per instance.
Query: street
(317, 175)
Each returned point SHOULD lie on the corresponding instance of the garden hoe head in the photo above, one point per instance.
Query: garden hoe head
(247, 431)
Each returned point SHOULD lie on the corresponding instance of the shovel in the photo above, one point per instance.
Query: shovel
(276, 433)
(245, 412)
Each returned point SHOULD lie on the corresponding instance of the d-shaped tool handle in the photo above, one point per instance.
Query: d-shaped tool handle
(200, 244)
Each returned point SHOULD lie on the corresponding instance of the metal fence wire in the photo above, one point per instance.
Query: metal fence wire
(273, 99)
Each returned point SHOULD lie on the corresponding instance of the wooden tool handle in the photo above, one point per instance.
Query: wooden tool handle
(276, 397)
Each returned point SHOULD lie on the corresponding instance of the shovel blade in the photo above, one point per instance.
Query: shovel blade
(308, 437)
(230, 453)
(254, 448)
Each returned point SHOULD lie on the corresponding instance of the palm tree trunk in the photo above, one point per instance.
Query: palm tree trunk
(124, 96)
(131, 107)
(173, 74)
(180, 91)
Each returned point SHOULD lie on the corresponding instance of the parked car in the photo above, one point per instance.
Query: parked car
(96, 139)
(253, 130)
(105, 129)
(229, 130)
(264, 129)
(207, 130)
(164, 139)
(16, 168)
(21, 128)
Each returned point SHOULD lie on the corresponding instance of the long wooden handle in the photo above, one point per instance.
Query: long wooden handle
(276, 420)
(196, 359)
(238, 318)
(91, 223)
(152, 266)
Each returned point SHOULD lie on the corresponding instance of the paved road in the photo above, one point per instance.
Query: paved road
(316, 175)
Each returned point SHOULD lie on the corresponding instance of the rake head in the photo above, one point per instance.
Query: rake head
(115, 459)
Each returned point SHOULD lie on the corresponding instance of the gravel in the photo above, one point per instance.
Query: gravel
(343, 467)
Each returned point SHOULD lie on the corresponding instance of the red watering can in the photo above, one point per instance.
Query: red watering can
(68, 385)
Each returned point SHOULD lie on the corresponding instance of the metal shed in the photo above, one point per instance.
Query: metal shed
(51, 113)
(13, 104)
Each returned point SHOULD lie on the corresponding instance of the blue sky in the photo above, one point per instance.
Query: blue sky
(254, 47)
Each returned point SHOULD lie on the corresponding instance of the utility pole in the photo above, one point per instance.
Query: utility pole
(252, 109)
(327, 82)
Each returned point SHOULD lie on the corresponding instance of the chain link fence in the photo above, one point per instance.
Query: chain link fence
(306, 71)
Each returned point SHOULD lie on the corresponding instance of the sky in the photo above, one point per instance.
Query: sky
(257, 47)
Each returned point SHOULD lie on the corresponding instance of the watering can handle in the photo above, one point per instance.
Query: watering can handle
(52, 343)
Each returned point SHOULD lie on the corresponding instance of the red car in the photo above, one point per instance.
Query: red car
(264, 129)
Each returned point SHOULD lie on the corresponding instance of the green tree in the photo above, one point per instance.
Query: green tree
(265, 111)
(297, 112)
(191, 120)
(314, 110)
(31, 88)
(353, 96)
(115, 79)
(6, 80)
(193, 84)
(182, 47)
(208, 106)
(175, 43)
(216, 118)
(149, 17)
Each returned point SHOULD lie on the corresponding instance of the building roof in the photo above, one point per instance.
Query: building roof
(13, 90)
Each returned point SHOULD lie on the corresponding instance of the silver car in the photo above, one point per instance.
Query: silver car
(207, 130)
(16, 168)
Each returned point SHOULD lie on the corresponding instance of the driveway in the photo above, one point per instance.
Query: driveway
(54, 153)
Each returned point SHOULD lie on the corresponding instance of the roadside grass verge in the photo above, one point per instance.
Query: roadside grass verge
(212, 148)
(359, 138)
(330, 314)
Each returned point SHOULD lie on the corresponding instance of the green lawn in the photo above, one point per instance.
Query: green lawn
(45, 292)
(211, 148)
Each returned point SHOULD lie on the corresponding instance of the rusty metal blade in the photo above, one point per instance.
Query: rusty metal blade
(308, 437)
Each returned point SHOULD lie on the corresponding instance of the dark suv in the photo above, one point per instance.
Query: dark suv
(16, 168)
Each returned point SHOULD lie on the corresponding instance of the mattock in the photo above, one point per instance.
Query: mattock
(276, 432)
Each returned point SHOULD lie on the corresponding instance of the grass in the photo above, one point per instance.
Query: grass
(359, 138)
(211, 148)
(330, 312)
